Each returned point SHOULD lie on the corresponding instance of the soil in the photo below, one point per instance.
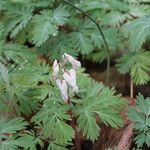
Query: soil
(119, 81)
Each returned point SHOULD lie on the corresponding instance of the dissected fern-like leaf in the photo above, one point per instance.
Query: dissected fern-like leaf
(60, 44)
(98, 56)
(100, 102)
(118, 5)
(11, 126)
(81, 43)
(140, 115)
(47, 23)
(4, 73)
(53, 117)
(43, 27)
(19, 19)
(18, 53)
(2, 28)
(139, 10)
(56, 146)
(138, 30)
(137, 64)
(115, 18)
(92, 5)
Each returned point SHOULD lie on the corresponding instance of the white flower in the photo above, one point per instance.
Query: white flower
(62, 84)
(75, 63)
(70, 77)
(55, 68)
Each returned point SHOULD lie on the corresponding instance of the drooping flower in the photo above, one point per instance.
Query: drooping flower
(62, 84)
(55, 68)
(70, 77)
(75, 63)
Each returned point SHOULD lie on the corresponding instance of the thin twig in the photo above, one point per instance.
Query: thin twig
(103, 37)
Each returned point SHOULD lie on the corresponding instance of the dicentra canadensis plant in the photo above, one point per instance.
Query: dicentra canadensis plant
(53, 109)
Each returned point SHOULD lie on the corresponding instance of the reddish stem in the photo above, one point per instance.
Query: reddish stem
(77, 138)
(131, 88)
(77, 141)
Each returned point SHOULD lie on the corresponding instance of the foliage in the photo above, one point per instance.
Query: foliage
(115, 148)
(11, 139)
(137, 64)
(139, 31)
(33, 112)
(140, 115)
(54, 27)
(91, 107)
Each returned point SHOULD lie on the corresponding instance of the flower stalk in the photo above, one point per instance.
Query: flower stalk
(68, 82)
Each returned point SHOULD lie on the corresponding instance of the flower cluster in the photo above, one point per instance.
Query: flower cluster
(69, 76)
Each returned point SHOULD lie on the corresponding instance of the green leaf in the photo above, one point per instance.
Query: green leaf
(56, 146)
(118, 5)
(45, 3)
(89, 5)
(60, 15)
(28, 141)
(140, 116)
(111, 36)
(23, 16)
(148, 138)
(140, 68)
(1, 30)
(60, 44)
(96, 101)
(138, 30)
(139, 10)
(18, 53)
(143, 104)
(114, 18)
(12, 126)
(18, 18)
(98, 56)
(81, 43)
(44, 27)
(4, 73)
(53, 117)
(47, 23)
(25, 141)
(137, 64)
(140, 139)
(125, 62)
(1, 35)
(87, 123)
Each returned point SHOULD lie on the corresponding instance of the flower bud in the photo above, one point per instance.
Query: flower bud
(62, 84)
(70, 77)
(55, 68)
(75, 63)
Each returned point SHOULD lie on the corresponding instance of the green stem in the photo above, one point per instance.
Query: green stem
(103, 37)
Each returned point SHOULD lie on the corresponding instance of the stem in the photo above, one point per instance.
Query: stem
(103, 37)
(73, 125)
(131, 88)
(77, 138)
